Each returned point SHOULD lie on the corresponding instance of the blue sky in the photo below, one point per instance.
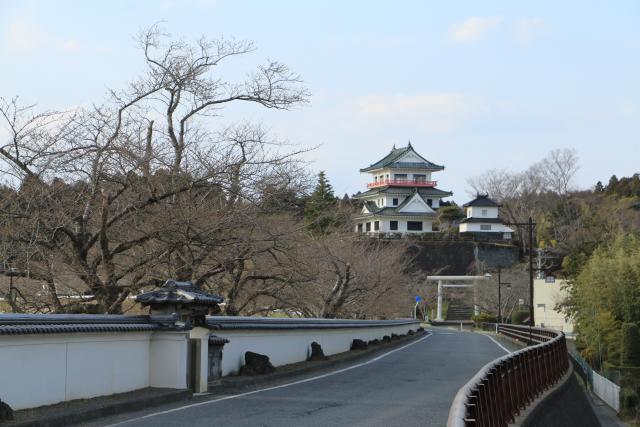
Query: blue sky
(474, 85)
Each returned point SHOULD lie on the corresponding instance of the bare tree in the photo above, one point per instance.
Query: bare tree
(558, 169)
(117, 195)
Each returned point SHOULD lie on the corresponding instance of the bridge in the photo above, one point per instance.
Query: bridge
(411, 385)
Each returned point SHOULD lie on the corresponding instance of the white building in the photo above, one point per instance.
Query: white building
(402, 197)
(548, 294)
(483, 220)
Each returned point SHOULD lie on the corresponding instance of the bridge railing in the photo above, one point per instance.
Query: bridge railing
(505, 386)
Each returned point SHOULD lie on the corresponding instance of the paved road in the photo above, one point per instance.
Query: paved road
(408, 387)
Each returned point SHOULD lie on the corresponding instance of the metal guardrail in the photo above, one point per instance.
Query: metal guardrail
(505, 386)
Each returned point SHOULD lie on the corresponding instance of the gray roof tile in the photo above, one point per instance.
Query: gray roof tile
(390, 160)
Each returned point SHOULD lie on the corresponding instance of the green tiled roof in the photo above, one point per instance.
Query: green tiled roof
(482, 200)
(394, 210)
(390, 160)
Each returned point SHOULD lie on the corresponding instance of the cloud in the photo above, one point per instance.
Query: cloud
(71, 45)
(22, 34)
(473, 29)
(529, 28)
(440, 112)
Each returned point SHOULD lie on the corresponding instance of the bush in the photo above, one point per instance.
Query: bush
(629, 400)
(518, 317)
(630, 348)
(484, 318)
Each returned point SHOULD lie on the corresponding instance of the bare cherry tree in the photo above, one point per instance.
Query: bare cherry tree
(110, 195)
(558, 169)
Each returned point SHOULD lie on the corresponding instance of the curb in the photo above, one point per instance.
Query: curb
(79, 415)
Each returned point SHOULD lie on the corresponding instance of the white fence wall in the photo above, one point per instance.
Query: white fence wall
(47, 361)
(606, 390)
(43, 369)
(285, 346)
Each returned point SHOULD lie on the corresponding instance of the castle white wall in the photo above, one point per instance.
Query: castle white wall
(476, 227)
(387, 173)
(385, 225)
(43, 369)
(482, 212)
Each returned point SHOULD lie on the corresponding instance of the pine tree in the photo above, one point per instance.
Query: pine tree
(599, 187)
(613, 184)
(318, 210)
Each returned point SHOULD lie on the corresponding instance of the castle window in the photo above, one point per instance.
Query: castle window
(485, 227)
(376, 225)
(414, 225)
(430, 202)
(393, 225)
(395, 201)
(402, 177)
(484, 212)
(420, 178)
(368, 226)
(360, 228)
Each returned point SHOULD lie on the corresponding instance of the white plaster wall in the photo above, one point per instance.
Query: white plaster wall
(46, 369)
(476, 212)
(285, 346)
(475, 227)
(168, 360)
(106, 366)
(381, 174)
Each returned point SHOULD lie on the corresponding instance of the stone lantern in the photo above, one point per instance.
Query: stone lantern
(183, 298)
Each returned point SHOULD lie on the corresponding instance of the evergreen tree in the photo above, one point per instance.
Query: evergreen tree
(613, 184)
(319, 207)
(448, 214)
(599, 187)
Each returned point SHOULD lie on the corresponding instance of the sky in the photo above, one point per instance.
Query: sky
(474, 85)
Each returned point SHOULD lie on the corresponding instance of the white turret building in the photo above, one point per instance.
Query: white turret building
(402, 196)
(483, 220)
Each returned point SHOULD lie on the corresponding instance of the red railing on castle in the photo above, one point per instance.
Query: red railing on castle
(505, 386)
(402, 183)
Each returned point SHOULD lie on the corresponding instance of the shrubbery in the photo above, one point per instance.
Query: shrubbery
(519, 317)
(484, 318)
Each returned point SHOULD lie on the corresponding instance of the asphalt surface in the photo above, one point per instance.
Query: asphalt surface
(412, 385)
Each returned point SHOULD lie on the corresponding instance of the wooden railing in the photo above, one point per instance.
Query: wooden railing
(505, 386)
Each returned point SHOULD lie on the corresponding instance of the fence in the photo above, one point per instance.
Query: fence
(497, 393)
(288, 341)
(602, 387)
(606, 390)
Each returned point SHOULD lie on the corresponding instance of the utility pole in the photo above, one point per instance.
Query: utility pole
(530, 225)
(531, 320)
(500, 283)
(499, 299)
